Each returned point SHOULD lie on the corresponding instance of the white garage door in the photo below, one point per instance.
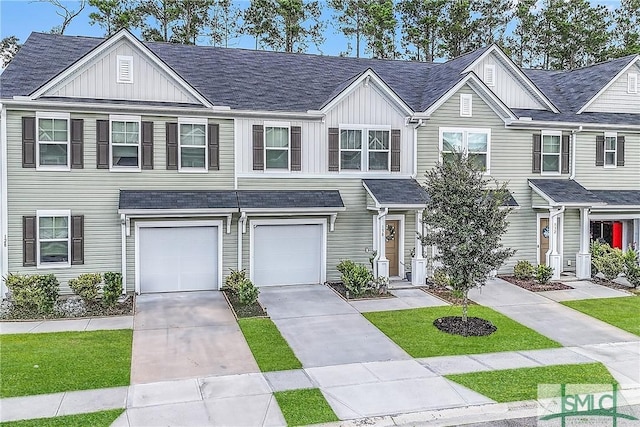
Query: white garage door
(287, 254)
(178, 259)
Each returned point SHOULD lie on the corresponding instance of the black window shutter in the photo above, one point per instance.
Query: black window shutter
(28, 142)
(537, 153)
(258, 147)
(566, 149)
(334, 149)
(600, 150)
(77, 239)
(395, 150)
(102, 144)
(296, 148)
(77, 143)
(29, 241)
(172, 146)
(213, 134)
(147, 145)
(620, 150)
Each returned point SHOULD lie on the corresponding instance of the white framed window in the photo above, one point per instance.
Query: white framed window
(466, 105)
(551, 152)
(54, 232)
(277, 143)
(124, 144)
(365, 148)
(632, 82)
(474, 143)
(125, 69)
(53, 136)
(610, 149)
(490, 75)
(192, 142)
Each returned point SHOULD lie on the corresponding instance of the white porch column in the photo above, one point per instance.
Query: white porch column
(418, 262)
(555, 257)
(382, 264)
(583, 258)
(636, 233)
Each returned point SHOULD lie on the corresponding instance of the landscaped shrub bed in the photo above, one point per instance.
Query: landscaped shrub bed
(242, 295)
(534, 279)
(342, 290)
(533, 286)
(244, 310)
(445, 293)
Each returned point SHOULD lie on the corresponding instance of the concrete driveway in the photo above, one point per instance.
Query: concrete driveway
(187, 335)
(324, 330)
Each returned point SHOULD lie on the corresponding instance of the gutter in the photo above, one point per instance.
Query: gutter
(4, 209)
(574, 140)
(528, 124)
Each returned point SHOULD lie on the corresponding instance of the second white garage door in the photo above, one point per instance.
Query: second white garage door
(286, 254)
(178, 259)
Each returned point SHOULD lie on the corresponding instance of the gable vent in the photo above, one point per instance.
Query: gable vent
(466, 109)
(632, 83)
(490, 75)
(125, 69)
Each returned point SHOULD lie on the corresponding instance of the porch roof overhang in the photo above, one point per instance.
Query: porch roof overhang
(290, 201)
(396, 193)
(564, 192)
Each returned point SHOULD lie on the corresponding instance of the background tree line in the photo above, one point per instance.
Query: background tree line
(550, 34)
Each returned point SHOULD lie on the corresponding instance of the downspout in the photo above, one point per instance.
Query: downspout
(574, 140)
(241, 222)
(381, 214)
(123, 242)
(415, 148)
(4, 209)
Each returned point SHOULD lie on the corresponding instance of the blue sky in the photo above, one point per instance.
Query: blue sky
(21, 17)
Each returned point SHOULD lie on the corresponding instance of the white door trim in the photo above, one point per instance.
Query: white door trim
(302, 221)
(400, 219)
(560, 237)
(175, 224)
(540, 216)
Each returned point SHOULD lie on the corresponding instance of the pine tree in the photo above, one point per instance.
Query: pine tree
(192, 19)
(66, 13)
(223, 22)
(158, 18)
(522, 43)
(350, 17)
(379, 29)
(458, 29)
(421, 27)
(491, 22)
(114, 15)
(626, 36)
(9, 46)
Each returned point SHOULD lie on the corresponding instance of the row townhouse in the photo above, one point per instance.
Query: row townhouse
(174, 164)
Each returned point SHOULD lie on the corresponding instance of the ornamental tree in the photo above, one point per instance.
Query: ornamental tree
(466, 217)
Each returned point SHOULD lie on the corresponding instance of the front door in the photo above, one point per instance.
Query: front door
(391, 246)
(543, 230)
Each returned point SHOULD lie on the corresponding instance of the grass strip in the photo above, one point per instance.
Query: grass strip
(304, 407)
(93, 419)
(510, 385)
(64, 361)
(620, 312)
(269, 348)
(413, 330)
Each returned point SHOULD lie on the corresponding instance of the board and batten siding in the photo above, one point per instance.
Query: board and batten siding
(594, 177)
(94, 192)
(617, 99)
(365, 105)
(98, 79)
(507, 86)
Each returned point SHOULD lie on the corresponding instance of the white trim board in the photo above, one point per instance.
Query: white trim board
(401, 248)
(4, 221)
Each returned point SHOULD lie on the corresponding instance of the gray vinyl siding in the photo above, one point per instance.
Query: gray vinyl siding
(616, 98)
(98, 79)
(94, 192)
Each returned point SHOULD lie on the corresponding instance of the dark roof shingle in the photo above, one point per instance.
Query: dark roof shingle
(397, 191)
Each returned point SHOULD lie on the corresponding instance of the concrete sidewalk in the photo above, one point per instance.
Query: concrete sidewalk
(584, 289)
(64, 325)
(562, 324)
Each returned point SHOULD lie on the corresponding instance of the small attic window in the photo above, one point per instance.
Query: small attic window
(125, 69)
(466, 105)
(632, 83)
(490, 74)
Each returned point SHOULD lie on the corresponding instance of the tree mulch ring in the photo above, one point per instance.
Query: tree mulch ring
(473, 327)
(70, 307)
(446, 294)
(241, 310)
(342, 290)
(533, 286)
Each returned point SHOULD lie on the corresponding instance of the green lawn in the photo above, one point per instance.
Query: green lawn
(93, 419)
(64, 361)
(511, 385)
(620, 312)
(413, 330)
(270, 350)
(304, 407)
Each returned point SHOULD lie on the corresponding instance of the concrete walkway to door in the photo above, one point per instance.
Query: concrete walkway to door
(187, 335)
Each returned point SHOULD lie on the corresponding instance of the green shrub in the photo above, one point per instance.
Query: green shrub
(247, 292)
(543, 274)
(523, 270)
(631, 267)
(37, 293)
(234, 279)
(356, 277)
(610, 263)
(598, 250)
(86, 286)
(441, 278)
(112, 288)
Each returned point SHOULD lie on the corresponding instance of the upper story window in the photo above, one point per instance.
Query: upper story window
(551, 152)
(364, 149)
(125, 143)
(610, 149)
(52, 148)
(192, 140)
(54, 248)
(276, 145)
(474, 143)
